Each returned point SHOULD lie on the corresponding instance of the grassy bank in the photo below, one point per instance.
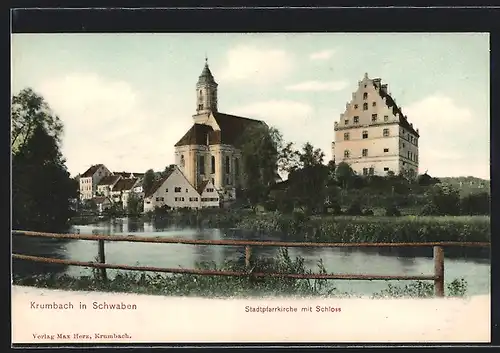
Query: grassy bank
(225, 286)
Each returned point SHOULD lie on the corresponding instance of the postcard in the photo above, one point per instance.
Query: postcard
(250, 187)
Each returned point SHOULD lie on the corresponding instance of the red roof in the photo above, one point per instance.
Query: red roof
(91, 171)
(231, 128)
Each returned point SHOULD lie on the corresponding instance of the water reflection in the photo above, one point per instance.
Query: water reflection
(472, 264)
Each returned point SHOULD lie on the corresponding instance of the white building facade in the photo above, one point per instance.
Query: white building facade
(90, 179)
(373, 135)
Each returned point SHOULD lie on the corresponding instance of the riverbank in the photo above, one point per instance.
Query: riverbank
(329, 228)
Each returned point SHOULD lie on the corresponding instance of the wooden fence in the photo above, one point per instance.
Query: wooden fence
(437, 277)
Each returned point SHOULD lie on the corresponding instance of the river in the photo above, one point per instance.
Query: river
(471, 264)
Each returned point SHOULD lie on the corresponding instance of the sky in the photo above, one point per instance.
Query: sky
(126, 99)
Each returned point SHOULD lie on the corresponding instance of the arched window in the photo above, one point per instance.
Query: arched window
(183, 162)
(365, 95)
(213, 165)
(227, 165)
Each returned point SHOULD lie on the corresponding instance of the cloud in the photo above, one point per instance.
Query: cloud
(108, 121)
(315, 86)
(256, 65)
(453, 139)
(321, 55)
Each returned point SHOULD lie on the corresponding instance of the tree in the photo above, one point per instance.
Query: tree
(135, 204)
(344, 174)
(308, 184)
(442, 199)
(148, 181)
(42, 190)
(260, 148)
(29, 110)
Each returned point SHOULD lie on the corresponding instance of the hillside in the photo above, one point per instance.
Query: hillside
(468, 184)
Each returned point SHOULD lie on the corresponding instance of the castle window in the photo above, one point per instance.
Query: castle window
(356, 119)
(386, 132)
(386, 117)
(365, 95)
(355, 106)
(365, 134)
(213, 165)
(374, 117)
(364, 152)
(346, 121)
(365, 106)
(374, 104)
(228, 168)
(365, 171)
(346, 136)
(386, 150)
(386, 169)
(346, 153)
(371, 171)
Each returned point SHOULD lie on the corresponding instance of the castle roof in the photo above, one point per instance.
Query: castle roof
(403, 121)
(231, 128)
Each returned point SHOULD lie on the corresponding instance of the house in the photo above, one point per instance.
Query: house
(173, 190)
(209, 197)
(107, 183)
(103, 203)
(208, 150)
(122, 189)
(88, 181)
(373, 135)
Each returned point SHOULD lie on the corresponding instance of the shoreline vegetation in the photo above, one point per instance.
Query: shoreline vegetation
(298, 226)
(234, 287)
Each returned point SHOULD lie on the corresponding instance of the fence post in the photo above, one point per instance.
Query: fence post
(248, 255)
(102, 260)
(438, 271)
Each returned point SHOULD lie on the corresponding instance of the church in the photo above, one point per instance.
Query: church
(208, 150)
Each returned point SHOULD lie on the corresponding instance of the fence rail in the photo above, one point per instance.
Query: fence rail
(438, 256)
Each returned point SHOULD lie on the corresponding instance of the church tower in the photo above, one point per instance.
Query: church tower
(206, 92)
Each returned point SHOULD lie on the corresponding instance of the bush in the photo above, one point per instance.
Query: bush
(354, 209)
(475, 204)
(392, 211)
(443, 199)
(368, 212)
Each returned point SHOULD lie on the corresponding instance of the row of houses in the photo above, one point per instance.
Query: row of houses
(106, 188)
(172, 189)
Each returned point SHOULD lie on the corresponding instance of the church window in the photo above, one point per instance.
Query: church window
(182, 160)
(213, 165)
(365, 134)
(356, 119)
(365, 152)
(346, 153)
(346, 136)
(386, 132)
(201, 165)
(365, 106)
(365, 95)
(227, 165)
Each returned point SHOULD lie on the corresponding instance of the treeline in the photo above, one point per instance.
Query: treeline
(317, 188)
(43, 193)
